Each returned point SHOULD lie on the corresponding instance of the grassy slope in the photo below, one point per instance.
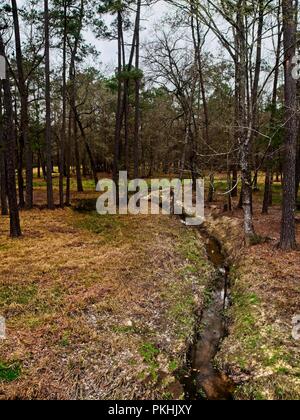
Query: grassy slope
(260, 353)
(97, 307)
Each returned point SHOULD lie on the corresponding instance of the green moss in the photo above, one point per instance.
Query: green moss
(183, 312)
(173, 365)
(149, 353)
(245, 311)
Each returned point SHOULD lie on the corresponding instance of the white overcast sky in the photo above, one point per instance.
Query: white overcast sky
(151, 16)
(108, 49)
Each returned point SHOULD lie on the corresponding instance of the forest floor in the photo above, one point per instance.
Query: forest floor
(98, 307)
(104, 307)
(260, 353)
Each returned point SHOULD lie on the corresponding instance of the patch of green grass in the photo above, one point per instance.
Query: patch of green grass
(188, 269)
(39, 184)
(183, 311)
(149, 353)
(120, 329)
(253, 342)
(201, 394)
(245, 310)
(242, 362)
(110, 227)
(257, 240)
(168, 396)
(208, 296)
(5, 247)
(189, 248)
(9, 372)
(283, 370)
(65, 340)
(19, 294)
(173, 365)
(85, 205)
(276, 358)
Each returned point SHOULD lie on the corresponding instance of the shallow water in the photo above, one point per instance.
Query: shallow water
(204, 380)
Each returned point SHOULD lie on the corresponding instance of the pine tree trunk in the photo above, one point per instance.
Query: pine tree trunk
(68, 161)
(77, 158)
(137, 120)
(3, 181)
(24, 109)
(269, 160)
(288, 229)
(211, 190)
(64, 112)
(118, 126)
(48, 134)
(9, 147)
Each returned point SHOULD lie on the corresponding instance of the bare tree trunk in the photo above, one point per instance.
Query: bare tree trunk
(288, 229)
(77, 158)
(298, 171)
(3, 187)
(185, 145)
(87, 146)
(137, 121)
(48, 139)
(269, 161)
(72, 99)
(9, 147)
(68, 162)
(118, 126)
(211, 190)
(64, 113)
(197, 46)
(24, 108)
(19, 156)
(245, 135)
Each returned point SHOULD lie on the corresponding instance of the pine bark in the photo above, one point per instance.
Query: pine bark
(24, 109)
(288, 229)
(9, 150)
(48, 134)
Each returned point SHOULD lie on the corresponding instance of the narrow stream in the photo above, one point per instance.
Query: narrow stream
(204, 381)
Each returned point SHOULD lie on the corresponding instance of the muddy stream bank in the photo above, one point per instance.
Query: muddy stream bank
(204, 380)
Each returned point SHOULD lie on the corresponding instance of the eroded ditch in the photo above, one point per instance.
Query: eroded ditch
(204, 380)
(201, 379)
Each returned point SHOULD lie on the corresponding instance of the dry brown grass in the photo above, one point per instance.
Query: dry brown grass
(97, 308)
